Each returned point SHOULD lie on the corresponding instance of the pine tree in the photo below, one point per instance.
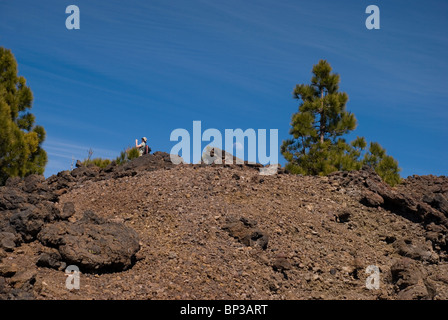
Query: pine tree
(386, 166)
(21, 152)
(317, 146)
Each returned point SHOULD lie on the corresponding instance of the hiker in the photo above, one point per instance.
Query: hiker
(142, 146)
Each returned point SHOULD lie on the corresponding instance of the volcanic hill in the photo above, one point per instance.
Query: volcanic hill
(153, 230)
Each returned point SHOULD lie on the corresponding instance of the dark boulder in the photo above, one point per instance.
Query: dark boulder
(437, 201)
(28, 223)
(78, 164)
(34, 183)
(244, 230)
(11, 198)
(92, 243)
(14, 182)
(88, 172)
(415, 250)
(8, 241)
(68, 210)
(343, 216)
(51, 259)
(372, 199)
(411, 281)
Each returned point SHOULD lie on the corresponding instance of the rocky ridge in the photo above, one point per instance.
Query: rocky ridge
(153, 230)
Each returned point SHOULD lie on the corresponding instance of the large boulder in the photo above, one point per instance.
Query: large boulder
(11, 198)
(415, 250)
(92, 243)
(421, 199)
(8, 241)
(28, 223)
(34, 183)
(437, 201)
(31, 218)
(411, 281)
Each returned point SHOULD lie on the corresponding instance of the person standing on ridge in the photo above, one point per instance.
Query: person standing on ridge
(142, 146)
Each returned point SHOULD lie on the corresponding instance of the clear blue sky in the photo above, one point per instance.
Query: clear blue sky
(145, 68)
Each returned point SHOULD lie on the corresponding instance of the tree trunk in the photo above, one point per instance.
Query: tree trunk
(322, 117)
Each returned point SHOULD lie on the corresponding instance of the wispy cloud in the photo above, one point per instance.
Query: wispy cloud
(63, 154)
(69, 149)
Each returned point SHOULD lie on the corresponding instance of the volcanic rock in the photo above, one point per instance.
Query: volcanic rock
(165, 231)
(92, 243)
(244, 231)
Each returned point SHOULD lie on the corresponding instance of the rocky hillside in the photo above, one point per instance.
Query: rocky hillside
(152, 230)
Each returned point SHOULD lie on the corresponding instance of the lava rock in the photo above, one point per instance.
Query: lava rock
(24, 280)
(51, 259)
(244, 231)
(281, 263)
(416, 251)
(14, 182)
(92, 243)
(68, 210)
(89, 172)
(437, 201)
(27, 223)
(8, 241)
(11, 198)
(34, 183)
(372, 199)
(8, 270)
(343, 216)
(411, 281)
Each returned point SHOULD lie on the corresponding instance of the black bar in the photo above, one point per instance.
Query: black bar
(223, 309)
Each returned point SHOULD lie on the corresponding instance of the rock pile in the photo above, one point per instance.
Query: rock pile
(151, 230)
(29, 212)
(421, 199)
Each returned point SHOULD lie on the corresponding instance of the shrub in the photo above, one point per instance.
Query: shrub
(99, 162)
(133, 153)
(125, 156)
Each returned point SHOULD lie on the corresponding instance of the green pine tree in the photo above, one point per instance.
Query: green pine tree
(386, 166)
(317, 146)
(21, 152)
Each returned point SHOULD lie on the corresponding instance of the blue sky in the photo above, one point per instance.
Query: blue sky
(145, 68)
